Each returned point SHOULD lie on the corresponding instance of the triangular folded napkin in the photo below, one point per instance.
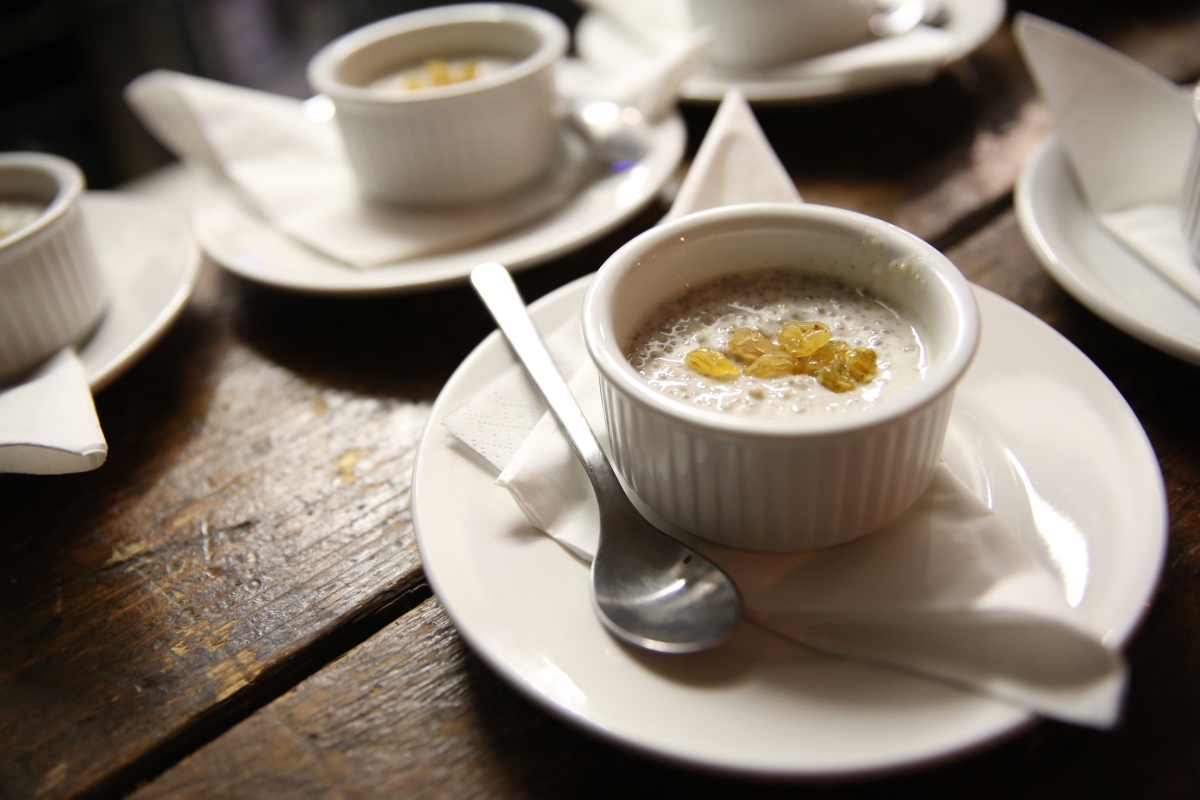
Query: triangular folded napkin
(1127, 133)
(48, 423)
(946, 591)
(284, 158)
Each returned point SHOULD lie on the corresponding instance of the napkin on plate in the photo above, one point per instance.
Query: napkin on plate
(1127, 133)
(947, 591)
(48, 423)
(284, 158)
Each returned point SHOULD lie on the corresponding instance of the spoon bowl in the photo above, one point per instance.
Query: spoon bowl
(648, 589)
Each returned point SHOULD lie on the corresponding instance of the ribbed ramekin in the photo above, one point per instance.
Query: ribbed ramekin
(779, 484)
(1190, 202)
(763, 33)
(52, 292)
(449, 144)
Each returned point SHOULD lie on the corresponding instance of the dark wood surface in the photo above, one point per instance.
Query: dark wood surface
(234, 604)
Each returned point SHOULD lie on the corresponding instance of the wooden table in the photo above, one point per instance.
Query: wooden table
(234, 604)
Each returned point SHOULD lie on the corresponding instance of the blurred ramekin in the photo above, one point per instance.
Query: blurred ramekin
(753, 34)
(1190, 203)
(779, 484)
(447, 144)
(52, 292)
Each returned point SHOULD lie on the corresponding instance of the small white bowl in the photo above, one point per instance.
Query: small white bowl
(52, 292)
(1190, 202)
(753, 34)
(774, 484)
(456, 143)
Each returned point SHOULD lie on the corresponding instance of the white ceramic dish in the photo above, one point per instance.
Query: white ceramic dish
(52, 292)
(1033, 436)
(448, 144)
(1093, 266)
(246, 245)
(151, 262)
(869, 67)
(731, 478)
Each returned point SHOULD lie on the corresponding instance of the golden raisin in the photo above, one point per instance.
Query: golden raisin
(803, 338)
(712, 364)
(861, 361)
(749, 344)
(836, 377)
(827, 354)
(772, 365)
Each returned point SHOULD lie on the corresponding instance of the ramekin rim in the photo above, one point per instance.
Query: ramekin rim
(616, 372)
(70, 183)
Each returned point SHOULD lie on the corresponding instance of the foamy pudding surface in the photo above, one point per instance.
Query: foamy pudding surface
(765, 299)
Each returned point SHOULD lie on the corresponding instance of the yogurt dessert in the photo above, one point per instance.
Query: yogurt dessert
(778, 343)
(438, 72)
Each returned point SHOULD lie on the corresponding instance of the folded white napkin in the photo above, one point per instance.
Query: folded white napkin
(946, 591)
(48, 423)
(1127, 133)
(284, 158)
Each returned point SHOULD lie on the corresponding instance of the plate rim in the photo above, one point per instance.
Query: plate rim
(1038, 168)
(667, 151)
(115, 263)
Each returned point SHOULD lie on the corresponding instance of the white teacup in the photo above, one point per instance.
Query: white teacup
(52, 290)
(779, 482)
(761, 33)
(468, 140)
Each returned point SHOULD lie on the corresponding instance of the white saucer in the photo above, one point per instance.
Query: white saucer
(868, 67)
(246, 245)
(1036, 428)
(151, 261)
(1093, 266)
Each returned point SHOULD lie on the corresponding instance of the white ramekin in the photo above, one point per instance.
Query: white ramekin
(762, 33)
(1190, 202)
(771, 484)
(52, 292)
(451, 144)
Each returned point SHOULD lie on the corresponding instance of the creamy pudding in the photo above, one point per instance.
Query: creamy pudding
(721, 327)
(437, 72)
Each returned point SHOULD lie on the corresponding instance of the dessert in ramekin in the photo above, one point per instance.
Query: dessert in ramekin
(446, 105)
(800, 473)
(52, 291)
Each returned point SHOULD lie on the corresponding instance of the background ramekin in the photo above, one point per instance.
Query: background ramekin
(452, 144)
(763, 33)
(52, 292)
(779, 485)
(1190, 203)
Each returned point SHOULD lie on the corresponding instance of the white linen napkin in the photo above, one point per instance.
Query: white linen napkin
(284, 158)
(947, 591)
(1127, 133)
(48, 423)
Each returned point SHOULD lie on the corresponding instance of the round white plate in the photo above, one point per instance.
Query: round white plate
(1096, 268)
(868, 67)
(244, 244)
(1036, 429)
(151, 262)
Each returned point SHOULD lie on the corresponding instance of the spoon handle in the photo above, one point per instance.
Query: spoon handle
(498, 292)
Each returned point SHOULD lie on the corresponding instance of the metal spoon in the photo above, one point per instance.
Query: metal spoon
(617, 135)
(898, 18)
(648, 589)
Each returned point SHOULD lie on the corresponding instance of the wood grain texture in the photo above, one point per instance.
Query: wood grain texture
(252, 523)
